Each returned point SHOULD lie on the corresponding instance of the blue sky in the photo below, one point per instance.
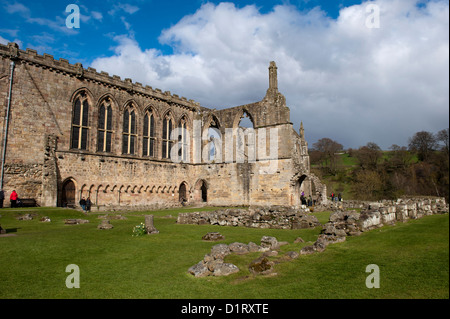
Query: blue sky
(41, 24)
(343, 78)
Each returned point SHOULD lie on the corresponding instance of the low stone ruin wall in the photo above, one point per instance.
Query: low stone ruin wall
(351, 223)
(213, 263)
(342, 223)
(269, 217)
(434, 202)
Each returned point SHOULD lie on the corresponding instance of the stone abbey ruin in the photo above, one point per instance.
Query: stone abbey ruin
(70, 133)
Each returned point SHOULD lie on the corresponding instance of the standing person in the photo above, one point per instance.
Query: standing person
(2, 197)
(83, 204)
(88, 204)
(13, 198)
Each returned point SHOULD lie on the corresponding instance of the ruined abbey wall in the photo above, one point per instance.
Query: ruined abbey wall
(45, 161)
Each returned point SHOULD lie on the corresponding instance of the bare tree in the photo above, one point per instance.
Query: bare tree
(328, 149)
(369, 155)
(442, 136)
(423, 143)
(399, 157)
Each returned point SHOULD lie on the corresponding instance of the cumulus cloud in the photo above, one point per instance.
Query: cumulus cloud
(342, 78)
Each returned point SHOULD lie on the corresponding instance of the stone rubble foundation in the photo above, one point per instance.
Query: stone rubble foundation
(342, 223)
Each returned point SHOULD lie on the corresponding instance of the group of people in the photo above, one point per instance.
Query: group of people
(335, 198)
(307, 201)
(13, 198)
(85, 204)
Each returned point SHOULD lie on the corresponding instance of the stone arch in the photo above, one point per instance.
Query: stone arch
(83, 191)
(311, 185)
(91, 191)
(131, 103)
(183, 192)
(244, 138)
(82, 90)
(188, 120)
(82, 119)
(167, 126)
(111, 98)
(68, 193)
(106, 122)
(169, 113)
(201, 191)
(153, 109)
(241, 114)
(212, 136)
(130, 116)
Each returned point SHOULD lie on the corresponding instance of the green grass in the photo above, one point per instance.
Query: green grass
(413, 258)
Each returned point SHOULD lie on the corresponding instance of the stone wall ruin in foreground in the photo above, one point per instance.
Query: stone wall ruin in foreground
(342, 223)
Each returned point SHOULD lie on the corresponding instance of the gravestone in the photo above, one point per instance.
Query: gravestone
(149, 225)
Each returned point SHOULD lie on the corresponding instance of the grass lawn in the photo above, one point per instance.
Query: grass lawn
(413, 258)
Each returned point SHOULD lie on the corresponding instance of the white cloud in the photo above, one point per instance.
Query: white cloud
(17, 8)
(128, 8)
(97, 15)
(344, 80)
(3, 40)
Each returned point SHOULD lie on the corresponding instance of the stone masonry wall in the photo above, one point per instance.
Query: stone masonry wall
(254, 217)
(40, 159)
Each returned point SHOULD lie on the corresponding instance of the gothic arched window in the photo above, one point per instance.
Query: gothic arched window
(149, 136)
(129, 135)
(167, 131)
(80, 122)
(105, 131)
(183, 140)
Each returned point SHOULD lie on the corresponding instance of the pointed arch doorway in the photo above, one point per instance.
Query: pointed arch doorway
(201, 191)
(68, 194)
(183, 193)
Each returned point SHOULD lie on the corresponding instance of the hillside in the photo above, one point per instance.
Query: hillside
(384, 175)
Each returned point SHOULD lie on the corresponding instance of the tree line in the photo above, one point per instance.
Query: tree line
(368, 173)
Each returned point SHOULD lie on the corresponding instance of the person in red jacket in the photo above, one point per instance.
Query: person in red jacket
(13, 198)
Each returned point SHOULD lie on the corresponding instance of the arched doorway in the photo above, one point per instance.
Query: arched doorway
(182, 194)
(302, 190)
(204, 192)
(311, 188)
(68, 194)
(201, 191)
